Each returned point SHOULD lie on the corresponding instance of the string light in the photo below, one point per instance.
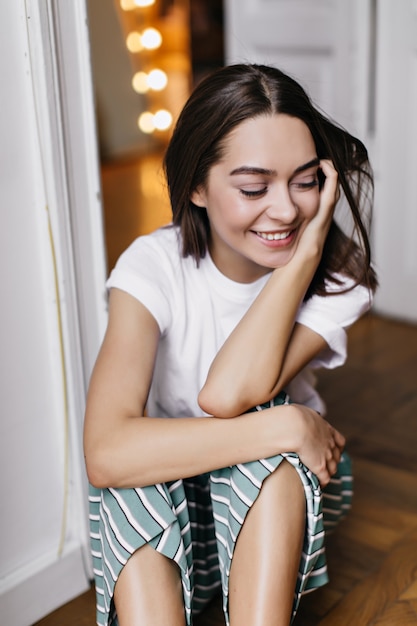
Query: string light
(129, 5)
(134, 42)
(156, 80)
(151, 38)
(146, 122)
(140, 82)
(149, 122)
(149, 79)
(162, 119)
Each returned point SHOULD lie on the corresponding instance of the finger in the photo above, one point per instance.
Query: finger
(333, 455)
(330, 192)
(337, 453)
(324, 479)
(328, 168)
(332, 467)
(340, 440)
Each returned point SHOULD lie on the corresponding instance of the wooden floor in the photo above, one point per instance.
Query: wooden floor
(372, 556)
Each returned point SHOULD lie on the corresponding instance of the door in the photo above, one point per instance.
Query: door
(395, 156)
(312, 41)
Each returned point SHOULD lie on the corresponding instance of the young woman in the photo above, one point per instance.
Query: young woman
(225, 314)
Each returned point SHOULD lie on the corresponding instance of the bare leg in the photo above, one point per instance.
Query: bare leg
(149, 591)
(267, 554)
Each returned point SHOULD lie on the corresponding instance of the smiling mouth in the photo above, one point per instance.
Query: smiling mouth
(274, 236)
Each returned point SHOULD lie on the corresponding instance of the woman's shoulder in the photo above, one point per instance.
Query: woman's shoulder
(344, 302)
(345, 289)
(158, 249)
(166, 239)
(148, 271)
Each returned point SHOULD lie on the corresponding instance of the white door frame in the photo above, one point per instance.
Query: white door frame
(63, 93)
(63, 84)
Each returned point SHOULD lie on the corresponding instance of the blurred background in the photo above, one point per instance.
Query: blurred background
(147, 55)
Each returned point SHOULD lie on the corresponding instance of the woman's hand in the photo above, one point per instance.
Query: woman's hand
(319, 445)
(315, 233)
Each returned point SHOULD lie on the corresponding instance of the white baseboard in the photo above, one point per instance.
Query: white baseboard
(32, 593)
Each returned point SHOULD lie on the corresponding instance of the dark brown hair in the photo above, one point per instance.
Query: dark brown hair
(237, 93)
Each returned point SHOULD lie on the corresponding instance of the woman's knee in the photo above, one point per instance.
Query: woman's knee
(284, 482)
(147, 563)
(149, 590)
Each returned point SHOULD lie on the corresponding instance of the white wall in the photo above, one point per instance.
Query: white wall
(43, 541)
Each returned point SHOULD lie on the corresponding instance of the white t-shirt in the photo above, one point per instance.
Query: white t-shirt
(197, 308)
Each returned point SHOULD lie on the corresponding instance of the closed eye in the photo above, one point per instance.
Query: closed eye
(306, 185)
(256, 193)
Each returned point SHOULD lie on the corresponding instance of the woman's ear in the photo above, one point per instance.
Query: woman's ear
(198, 197)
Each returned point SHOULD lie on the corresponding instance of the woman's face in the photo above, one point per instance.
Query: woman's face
(260, 196)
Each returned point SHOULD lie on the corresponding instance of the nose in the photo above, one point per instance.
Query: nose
(281, 206)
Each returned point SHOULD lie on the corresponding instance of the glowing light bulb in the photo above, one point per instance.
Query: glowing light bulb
(157, 80)
(151, 38)
(146, 122)
(162, 119)
(140, 82)
(134, 42)
(127, 5)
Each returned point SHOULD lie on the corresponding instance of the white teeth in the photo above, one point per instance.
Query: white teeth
(273, 236)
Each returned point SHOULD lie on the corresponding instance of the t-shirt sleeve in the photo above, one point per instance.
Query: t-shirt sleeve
(146, 273)
(330, 316)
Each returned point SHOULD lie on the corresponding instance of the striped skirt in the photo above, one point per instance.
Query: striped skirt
(196, 523)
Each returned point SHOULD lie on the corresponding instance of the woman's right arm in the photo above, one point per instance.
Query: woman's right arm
(276, 348)
(125, 449)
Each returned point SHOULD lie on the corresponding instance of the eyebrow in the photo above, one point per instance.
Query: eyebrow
(313, 163)
(249, 169)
